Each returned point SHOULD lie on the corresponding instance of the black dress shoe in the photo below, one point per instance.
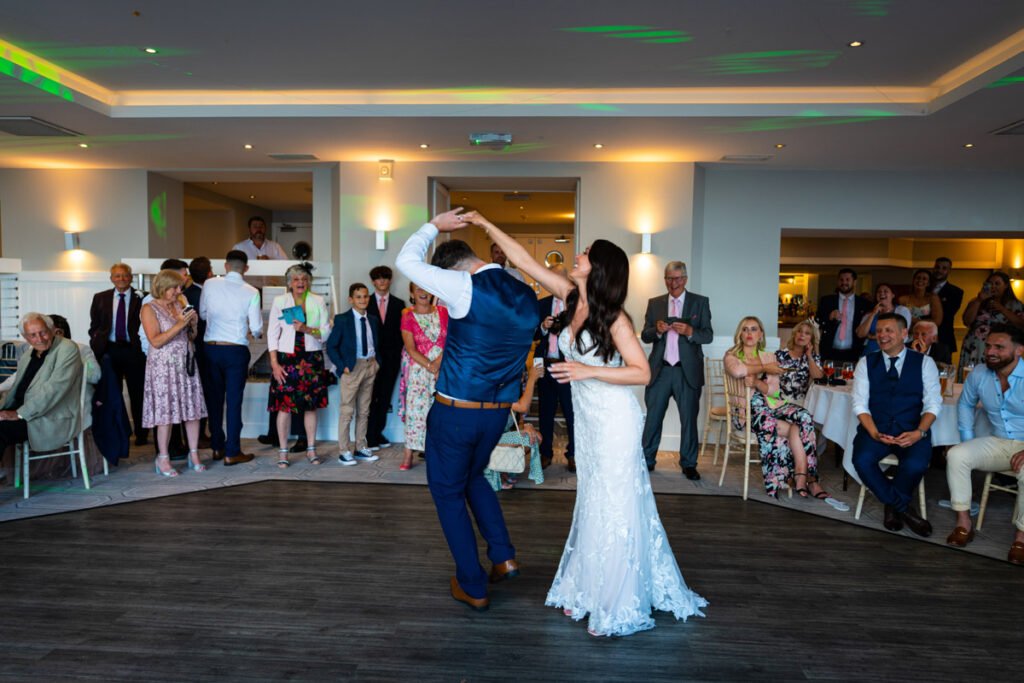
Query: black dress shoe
(916, 523)
(650, 467)
(571, 466)
(218, 455)
(299, 447)
(691, 473)
(892, 520)
(267, 439)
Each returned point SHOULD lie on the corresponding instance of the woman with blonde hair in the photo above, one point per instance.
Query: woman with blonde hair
(784, 430)
(800, 361)
(173, 392)
(295, 343)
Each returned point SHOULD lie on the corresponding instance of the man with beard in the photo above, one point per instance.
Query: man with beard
(838, 316)
(258, 247)
(999, 386)
(951, 297)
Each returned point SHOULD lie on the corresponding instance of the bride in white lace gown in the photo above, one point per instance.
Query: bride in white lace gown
(617, 566)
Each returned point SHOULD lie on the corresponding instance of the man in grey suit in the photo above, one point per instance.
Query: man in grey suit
(676, 324)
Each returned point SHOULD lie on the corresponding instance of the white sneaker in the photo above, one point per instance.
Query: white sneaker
(345, 459)
(373, 449)
(385, 444)
(366, 455)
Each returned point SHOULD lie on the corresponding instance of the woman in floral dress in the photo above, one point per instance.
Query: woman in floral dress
(424, 330)
(801, 361)
(995, 303)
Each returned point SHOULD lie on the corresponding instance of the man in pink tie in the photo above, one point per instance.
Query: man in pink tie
(839, 315)
(553, 394)
(387, 309)
(676, 325)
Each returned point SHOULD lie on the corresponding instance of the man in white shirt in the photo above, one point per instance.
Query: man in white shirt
(498, 256)
(258, 247)
(896, 398)
(231, 309)
(838, 316)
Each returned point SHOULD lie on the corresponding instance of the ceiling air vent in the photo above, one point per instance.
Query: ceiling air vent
(490, 140)
(1015, 128)
(747, 157)
(282, 156)
(30, 126)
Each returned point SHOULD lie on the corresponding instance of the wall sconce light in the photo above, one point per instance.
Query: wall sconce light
(385, 169)
(1015, 274)
(381, 240)
(71, 241)
(645, 243)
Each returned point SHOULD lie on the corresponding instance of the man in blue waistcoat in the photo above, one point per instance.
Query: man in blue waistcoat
(896, 398)
(492, 319)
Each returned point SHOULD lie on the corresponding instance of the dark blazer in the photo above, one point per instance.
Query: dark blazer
(101, 320)
(193, 294)
(939, 352)
(830, 303)
(390, 329)
(697, 312)
(341, 345)
(951, 297)
(543, 337)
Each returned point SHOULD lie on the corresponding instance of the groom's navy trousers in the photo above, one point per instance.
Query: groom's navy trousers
(458, 447)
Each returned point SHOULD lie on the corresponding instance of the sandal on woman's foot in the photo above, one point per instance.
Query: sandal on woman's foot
(196, 465)
(312, 457)
(282, 458)
(405, 466)
(821, 495)
(802, 491)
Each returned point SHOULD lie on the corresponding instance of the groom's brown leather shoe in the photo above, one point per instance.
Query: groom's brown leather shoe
(479, 604)
(508, 569)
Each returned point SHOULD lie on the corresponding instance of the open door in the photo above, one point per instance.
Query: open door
(440, 201)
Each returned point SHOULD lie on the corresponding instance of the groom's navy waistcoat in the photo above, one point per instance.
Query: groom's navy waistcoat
(895, 405)
(485, 353)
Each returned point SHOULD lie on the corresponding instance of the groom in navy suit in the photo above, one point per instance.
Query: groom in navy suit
(492, 319)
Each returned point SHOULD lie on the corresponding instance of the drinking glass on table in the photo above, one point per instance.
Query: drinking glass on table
(847, 371)
(946, 374)
(830, 369)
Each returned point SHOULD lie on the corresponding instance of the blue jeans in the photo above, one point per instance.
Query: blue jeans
(228, 368)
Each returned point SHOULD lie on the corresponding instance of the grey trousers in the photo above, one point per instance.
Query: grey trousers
(671, 383)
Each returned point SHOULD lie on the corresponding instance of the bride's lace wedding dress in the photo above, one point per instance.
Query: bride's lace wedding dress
(617, 565)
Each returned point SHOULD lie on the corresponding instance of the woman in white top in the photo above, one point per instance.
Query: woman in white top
(299, 383)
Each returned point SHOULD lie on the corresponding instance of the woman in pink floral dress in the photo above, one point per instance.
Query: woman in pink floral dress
(424, 329)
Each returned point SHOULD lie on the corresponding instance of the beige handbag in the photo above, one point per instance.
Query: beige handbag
(508, 458)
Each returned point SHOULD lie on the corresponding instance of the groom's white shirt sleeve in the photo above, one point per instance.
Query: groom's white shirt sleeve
(454, 287)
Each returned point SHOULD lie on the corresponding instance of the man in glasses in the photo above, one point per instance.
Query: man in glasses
(676, 324)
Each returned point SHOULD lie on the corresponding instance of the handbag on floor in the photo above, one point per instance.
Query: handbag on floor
(508, 458)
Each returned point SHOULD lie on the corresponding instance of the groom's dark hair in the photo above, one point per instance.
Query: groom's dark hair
(450, 254)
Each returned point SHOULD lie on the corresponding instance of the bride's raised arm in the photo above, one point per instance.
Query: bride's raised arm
(557, 284)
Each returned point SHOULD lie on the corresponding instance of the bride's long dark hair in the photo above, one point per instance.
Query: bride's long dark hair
(607, 285)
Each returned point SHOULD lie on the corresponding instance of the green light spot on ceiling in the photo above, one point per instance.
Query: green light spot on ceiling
(85, 58)
(1003, 82)
(158, 214)
(776, 61)
(20, 66)
(871, 8)
(606, 29)
(599, 107)
(647, 34)
(685, 39)
(790, 122)
(642, 34)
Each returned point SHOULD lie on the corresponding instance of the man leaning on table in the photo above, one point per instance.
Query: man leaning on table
(999, 387)
(896, 398)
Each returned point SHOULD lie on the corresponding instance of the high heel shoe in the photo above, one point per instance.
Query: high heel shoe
(282, 458)
(169, 473)
(195, 467)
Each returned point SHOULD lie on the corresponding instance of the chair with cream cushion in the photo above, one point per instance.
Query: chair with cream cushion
(892, 460)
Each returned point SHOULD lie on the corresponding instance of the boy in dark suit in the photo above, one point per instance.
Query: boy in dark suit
(387, 309)
(352, 347)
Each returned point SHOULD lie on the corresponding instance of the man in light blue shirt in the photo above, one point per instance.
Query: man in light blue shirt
(999, 386)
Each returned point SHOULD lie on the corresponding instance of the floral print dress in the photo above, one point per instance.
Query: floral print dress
(429, 331)
(795, 384)
(973, 351)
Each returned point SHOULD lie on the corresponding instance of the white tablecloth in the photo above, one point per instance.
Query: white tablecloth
(832, 408)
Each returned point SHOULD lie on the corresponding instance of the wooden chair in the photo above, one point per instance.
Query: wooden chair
(75, 448)
(737, 401)
(717, 411)
(892, 460)
(988, 487)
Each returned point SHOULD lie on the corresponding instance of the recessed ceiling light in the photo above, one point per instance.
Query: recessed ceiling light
(149, 50)
(247, 146)
(83, 145)
(252, 196)
(424, 146)
(779, 145)
(969, 145)
(216, 182)
(855, 43)
(598, 145)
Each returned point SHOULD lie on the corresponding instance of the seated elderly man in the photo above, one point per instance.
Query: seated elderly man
(925, 339)
(999, 386)
(43, 407)
(896, 398)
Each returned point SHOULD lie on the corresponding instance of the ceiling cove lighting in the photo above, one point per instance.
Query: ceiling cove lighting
(855, 43)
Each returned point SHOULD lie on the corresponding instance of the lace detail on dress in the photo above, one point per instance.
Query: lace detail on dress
(617, 565)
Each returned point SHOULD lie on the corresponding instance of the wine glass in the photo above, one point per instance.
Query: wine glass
(830, 369)
(847, 371)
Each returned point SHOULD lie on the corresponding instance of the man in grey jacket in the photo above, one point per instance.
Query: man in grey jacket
(676, 324)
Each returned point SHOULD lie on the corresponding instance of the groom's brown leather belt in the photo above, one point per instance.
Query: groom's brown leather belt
(472, 405)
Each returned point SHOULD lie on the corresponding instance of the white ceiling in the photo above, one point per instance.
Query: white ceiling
(235, 72)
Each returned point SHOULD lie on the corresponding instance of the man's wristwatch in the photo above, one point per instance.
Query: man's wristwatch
(924, 433)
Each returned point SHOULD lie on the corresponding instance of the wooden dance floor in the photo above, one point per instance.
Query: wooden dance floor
(328, 581)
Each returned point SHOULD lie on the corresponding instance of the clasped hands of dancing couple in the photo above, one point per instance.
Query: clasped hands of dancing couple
(617, 566)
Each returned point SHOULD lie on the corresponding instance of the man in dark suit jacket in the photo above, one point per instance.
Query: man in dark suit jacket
(552, 393)
(352, 347)
(107, 337)
(925, 339)
(389, 355)
(838, 316)
(951, 297)
(676, 324)
(200, 270)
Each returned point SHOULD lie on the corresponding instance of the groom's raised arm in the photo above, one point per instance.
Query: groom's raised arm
(454, 287)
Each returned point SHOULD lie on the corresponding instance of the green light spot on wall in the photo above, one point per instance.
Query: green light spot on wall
(599, 107)
(158, 214)
(1003, 82)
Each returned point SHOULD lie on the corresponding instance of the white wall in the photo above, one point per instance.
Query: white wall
(108, 208)
(744, 212)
